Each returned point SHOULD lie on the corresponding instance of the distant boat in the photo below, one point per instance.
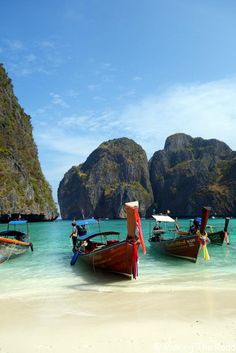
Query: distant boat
(14, 242)
(184, 246)
(103, 250)
(216, 237)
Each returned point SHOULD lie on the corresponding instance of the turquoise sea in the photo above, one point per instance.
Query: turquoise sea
(47, 270)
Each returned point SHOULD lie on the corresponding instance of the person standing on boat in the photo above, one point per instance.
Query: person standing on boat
(74, 235)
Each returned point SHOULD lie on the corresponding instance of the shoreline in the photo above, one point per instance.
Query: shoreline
(101, 284)
(193, 320)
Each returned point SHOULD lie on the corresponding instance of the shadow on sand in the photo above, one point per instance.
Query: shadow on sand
(95, 279)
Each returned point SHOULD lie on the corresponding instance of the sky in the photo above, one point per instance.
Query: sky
(88, 71)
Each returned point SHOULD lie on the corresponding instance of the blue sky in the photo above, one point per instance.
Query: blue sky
(91, 70)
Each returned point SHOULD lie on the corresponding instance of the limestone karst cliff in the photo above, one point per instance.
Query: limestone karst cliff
(186, 175)
(193, 172)
(23, 187)
(116, 172)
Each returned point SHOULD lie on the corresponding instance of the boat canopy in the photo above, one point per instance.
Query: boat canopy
(92, 235)
(17, 222)
(163, 218)
(84, 222)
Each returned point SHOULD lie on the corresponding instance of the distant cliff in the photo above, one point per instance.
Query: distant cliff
(116, 172)
(192, 172)
(23, 188)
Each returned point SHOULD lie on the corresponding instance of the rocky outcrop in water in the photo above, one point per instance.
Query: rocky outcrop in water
(115, 173)
(192, 172)
(23, 188)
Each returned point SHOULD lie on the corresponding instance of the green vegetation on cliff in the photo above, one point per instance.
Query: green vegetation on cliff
(115, 173)
(23, 187)
(192, 172)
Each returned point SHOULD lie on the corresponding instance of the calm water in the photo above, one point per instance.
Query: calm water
(47, 270)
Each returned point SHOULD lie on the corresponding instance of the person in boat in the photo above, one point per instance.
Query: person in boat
(157, 226)
(74, 235)
(81, 230)
(195, 226)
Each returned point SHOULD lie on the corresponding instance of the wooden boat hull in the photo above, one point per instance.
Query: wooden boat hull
(118, 258)
(10, 248)
(219, 236)
(184, 247)
(216, 238)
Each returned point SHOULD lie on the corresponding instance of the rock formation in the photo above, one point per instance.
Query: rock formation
(192, 172)
(23, 188)
(116, 172)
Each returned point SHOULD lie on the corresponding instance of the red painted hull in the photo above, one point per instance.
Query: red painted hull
(184, 247)
(116, 258)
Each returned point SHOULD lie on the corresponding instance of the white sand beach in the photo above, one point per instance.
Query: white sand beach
(164, 321)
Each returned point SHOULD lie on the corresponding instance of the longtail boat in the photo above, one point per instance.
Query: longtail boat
(14, 242)
(216, 237)
(182, 246)
(104, 250)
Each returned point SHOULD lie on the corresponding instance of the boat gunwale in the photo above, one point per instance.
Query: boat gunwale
(13, 241)
(106, 247)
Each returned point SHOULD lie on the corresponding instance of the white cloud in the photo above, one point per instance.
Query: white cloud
(74, 144)
(31, 58)
(90, 122)
(28, 58)
(93, 87)
(99, 99)
(74, 121)
(72, 93)
(14, 45)
(58, 100)
(137, 78)
(206, 110)
(47, 44)
(24, 71)
(125, 95)
(107, 66)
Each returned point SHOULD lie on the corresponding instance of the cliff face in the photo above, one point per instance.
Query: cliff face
(23, 188)
(116, 172)
(192, 172)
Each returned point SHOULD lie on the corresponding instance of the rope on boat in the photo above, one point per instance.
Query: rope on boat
(13, 248)
(10, 253)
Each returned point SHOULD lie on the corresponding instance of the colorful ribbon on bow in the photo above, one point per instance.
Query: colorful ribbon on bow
(204, 240)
